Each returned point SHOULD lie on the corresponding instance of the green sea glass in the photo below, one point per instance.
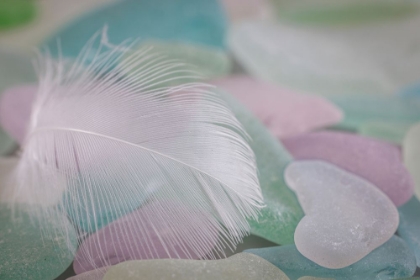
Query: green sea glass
(327, 12)
(280, 217)
(204, 61)
(409, 228)
(15, 69)
(391, 260)
(411, 151)
(393, 132)
(16, 12)
(240, 266)
(32, 249)
(360, 109)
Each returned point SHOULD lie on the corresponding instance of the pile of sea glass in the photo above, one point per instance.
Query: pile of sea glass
(328, 94)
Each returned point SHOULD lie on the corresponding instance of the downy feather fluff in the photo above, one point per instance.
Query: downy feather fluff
(118, 138)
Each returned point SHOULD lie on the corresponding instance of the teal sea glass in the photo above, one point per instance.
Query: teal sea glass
(31, 249)
(359, 109)
(409, 228)
(391, 260)
(198, 22)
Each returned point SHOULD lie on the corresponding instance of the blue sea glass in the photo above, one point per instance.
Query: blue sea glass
(391, 260)
(198, 22)
(409, 228)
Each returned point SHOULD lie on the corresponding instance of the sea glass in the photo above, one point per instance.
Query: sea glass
(360, 109)
(197, 22)
(34, 249)
(409, 228)
(284, 112)
(242, 266)
(392, 260)
(376, 161)
(346, 217)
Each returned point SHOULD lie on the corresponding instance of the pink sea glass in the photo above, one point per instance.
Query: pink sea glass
(284, 112)
(376, 161)
(148, 233)
(15, 110)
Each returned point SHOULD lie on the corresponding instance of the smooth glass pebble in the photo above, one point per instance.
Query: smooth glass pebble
(16, 12)
(207, 62)
(240, 266)
(330, 61)
(278, 220)
(393, 132)
(197, 22)
(409, 228)
(346, 217)
(285, 113)
(391, 260)
(148, 234)
(97, 274)
(15, 110)
(343, 12)
(376, 161)
(411, 151)
(359, 110)
(15, 68)
(34, 250)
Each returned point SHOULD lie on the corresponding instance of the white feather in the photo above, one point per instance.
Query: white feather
(119, 138)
